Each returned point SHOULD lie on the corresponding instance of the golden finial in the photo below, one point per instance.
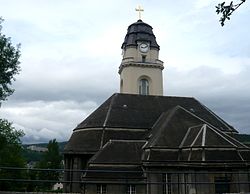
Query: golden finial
(139, 9)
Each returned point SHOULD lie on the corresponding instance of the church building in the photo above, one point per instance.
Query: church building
(141, 142)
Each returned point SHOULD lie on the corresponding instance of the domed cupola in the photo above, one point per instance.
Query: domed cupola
(140, 31)
(141, 70)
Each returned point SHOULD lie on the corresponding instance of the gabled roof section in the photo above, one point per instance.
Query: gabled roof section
(181, 136)
(80, 142)
(179, 128)
(119, 159)
(207, 136)
(172, 127)
(99, 117)
(141, 112)
(119, 152)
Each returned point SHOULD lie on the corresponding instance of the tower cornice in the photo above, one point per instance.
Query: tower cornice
(158, 64)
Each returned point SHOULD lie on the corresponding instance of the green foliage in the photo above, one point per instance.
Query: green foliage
(244, 138)
(31, 156)
(10, 145)
(11, 155)
(52, 159)
(9, 64)
(227, 10)
(35, 156)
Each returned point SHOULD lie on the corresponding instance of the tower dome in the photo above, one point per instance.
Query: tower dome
(140, 31)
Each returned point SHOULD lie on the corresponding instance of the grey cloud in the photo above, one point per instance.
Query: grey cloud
(228, 95)
(47, 120)
(76, 80)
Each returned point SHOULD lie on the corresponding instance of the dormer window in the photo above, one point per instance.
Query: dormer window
(143, 58)
(144, 87)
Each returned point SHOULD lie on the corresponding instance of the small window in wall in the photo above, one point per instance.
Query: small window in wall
(167, 186)
(131, 189)
(144, 87)
(101, 189)
(222, 185)
(143, 58)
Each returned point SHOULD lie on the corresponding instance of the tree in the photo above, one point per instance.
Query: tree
(9, 64)
(10, 143)
(52, 159)
(10, 154)
(227, 10)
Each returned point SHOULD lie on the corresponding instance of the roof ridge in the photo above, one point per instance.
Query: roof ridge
(220, 133)
(159, 131)
(127, 140)
(217, 117)
(109, 109)
(196, 116)
(99, 151)
(197, 136)
(230, 137)
(106, 118)
(213, 127)
(187, 133)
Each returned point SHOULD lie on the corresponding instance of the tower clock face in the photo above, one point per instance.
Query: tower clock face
(144, 47)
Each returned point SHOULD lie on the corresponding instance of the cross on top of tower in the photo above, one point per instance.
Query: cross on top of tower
(139, 9)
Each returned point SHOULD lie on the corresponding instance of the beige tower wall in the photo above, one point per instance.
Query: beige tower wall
(131, 75)
(134, 55)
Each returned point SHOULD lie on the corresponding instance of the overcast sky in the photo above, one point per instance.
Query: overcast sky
(71, 51)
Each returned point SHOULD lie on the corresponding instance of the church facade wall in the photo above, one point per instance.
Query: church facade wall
(186, 182)
(73, 163)
(113, 189)
(198, 182)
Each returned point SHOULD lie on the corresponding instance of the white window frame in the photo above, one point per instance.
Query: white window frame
(167, 186)
(131, 189)
(101, 189)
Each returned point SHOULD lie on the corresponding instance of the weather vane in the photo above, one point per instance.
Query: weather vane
(139, 9)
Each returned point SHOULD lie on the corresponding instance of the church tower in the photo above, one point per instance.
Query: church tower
(141, 70)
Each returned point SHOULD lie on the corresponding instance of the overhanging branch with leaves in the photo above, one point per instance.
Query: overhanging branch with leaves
(227, 10)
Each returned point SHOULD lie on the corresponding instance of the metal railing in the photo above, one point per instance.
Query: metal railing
(169, 182)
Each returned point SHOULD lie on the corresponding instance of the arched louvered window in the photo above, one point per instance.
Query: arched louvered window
(144, 87)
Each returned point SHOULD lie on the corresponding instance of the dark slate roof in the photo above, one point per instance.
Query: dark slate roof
(88, 141)
(119, 152)
(141, 112)
(140, 31)
(91, 140)
(181, 136)
(119, 159)
(128, 132)
(117, 173)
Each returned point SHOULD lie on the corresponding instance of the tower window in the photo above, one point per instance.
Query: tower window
(144, 87)
(143, 58)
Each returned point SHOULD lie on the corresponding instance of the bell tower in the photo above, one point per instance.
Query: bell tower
(141, 70)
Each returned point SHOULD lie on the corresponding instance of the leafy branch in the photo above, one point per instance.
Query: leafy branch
(227, 10)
